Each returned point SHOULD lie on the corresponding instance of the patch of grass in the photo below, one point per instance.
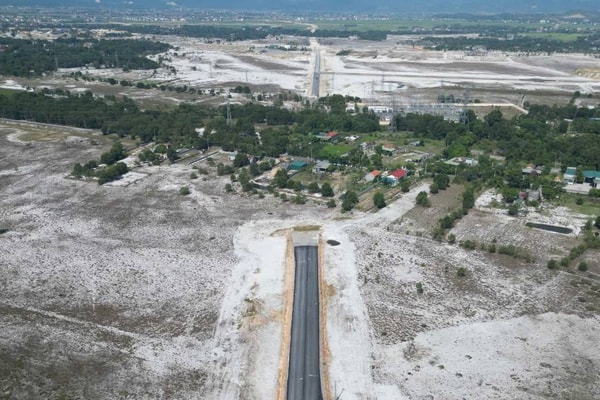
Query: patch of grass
(335, 150)
(590, 205)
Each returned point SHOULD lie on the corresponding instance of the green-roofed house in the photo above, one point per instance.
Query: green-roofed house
(591, 177)
(297, 165)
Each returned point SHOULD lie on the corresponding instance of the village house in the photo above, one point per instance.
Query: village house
(327, 136)
(373, 175)
(569, 176)
(388, 148)
(395, 176)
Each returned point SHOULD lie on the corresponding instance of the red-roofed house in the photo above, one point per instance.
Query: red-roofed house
(395, 176)
(371, 176)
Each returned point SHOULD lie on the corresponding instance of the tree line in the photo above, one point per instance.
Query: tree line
(588, 44)
(567, 134)
(27, 58)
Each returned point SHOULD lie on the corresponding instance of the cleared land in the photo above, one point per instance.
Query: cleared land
(380, 72)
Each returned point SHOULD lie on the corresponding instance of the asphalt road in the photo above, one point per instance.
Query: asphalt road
(316, 75)
(304, 374)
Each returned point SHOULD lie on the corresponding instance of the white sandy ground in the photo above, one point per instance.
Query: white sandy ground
(244, 285)
(526, 357)
(514, 351)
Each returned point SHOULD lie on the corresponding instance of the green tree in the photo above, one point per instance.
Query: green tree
(327, 190)
(434, 188)
(281, 178)
(422, 199)
(117, 152)
(172, 154)
(379, 200)
(240, 160)
(442, 181)
(350, 200)
(313, 187)
(405, 186)
(468, 199)
(513, 209)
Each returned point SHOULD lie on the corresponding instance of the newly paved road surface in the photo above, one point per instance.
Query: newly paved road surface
(304, 375)
(317, 75)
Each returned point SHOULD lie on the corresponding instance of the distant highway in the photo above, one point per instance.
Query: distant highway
(304, 374)
(316, 74)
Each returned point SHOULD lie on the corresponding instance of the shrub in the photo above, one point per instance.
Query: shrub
(434, 188)
(446, 222)
(379, 200)
(193, 175)
(492, 248)
(552, 264)
(405, 186)
(451, 238)
(583, 266)
(331, 203)
(419, 286)
(461, 272)
(469, 244)
(184, 190)
(422, 199)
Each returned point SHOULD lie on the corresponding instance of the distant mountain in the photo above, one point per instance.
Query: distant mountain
(395, 6)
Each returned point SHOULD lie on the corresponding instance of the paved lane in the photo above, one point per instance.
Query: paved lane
(304, 375)
(317, 74)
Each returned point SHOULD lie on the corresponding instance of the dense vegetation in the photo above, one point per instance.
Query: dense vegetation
(229, 33)
(589, 44)
(288, 131)
(542, 137)
(547, 134)
(34, 57)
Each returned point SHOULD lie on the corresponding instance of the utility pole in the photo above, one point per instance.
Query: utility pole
(332, 82)
(229, 119)
(393, 126)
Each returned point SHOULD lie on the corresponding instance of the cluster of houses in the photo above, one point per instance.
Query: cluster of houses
(391, 178)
